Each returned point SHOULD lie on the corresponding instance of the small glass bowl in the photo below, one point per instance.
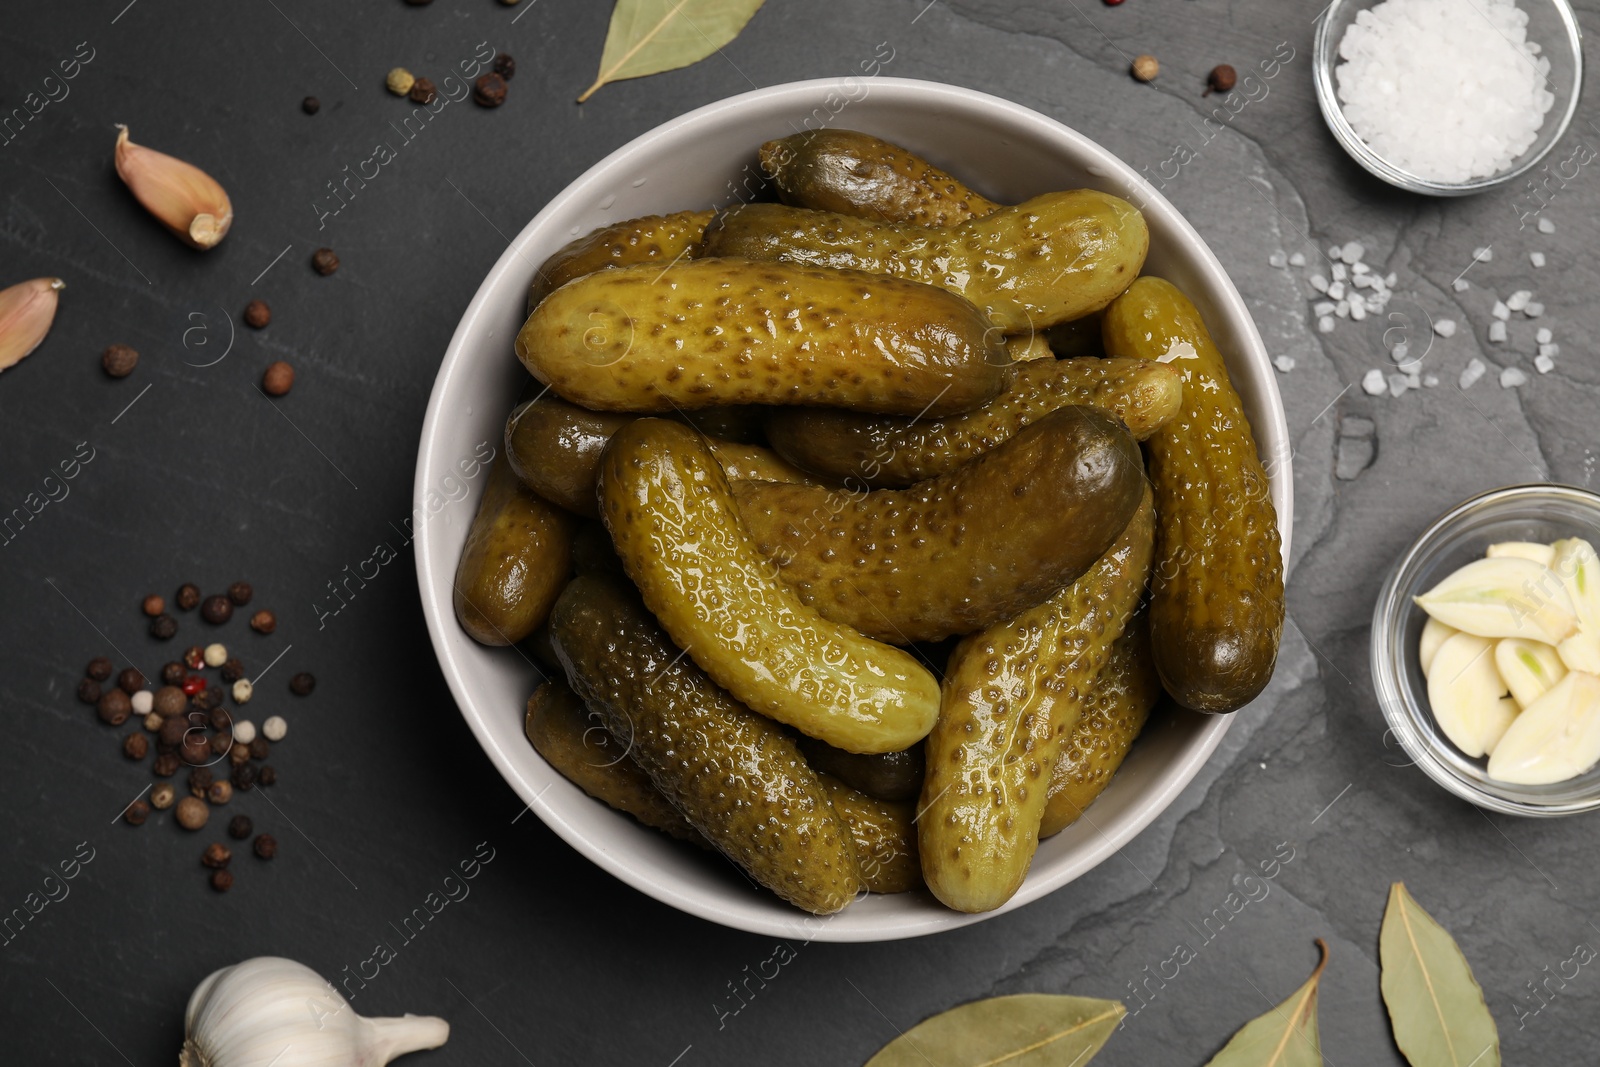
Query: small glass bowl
(1552, 23)
(1541, 512)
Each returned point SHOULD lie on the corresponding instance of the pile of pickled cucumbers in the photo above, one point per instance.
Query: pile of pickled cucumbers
(859, 533)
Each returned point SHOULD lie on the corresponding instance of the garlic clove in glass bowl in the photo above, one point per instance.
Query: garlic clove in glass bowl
(1555, 738)
(1465, 691)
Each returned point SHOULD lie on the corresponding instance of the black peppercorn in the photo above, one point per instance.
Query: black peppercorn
(154, 604)
(137, 813)
(324, 261)
(188, 597)
(244, 777)
(233, 670)
(423, 92)
(99, 668)
(240, 827)
(1221, 79)
(220, 743)
(163, 627)
(240, 593)
(216, 610)
(170, 701)
(311, 105)
(267, 775)
(119, 360)
(221, 718)
(266, 846)
(257, 314)
(489, 90)
(505, 66)
(194, 657)
(114, 707)
(222, 881)
(199, 781)
(207, 700)
(260, 749)
(136, 746)
(302, 684)
(166, 765)
(172, 731)
(216, 856)
(89, 691)
(130, 681)
(172, 673)
(195, 749)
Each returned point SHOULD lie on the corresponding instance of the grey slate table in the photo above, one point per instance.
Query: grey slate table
(383, 791)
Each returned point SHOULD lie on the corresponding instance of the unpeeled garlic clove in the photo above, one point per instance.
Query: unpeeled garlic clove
(186, 199)
(26, 311)
(1531, 550)
(1530, 669)
(1504, 597)
(1434, 634)
(1556, 738)
(1465, 692)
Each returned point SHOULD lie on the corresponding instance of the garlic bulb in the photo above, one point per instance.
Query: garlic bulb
(186, 199)
(275, 1011)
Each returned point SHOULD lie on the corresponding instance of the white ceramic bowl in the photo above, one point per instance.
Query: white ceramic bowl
(706, 158)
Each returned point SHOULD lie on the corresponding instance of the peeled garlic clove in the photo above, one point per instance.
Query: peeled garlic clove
(1532, 550)
(1504, 597)
(1578, 567)
(26, 311)
(1530, 669)
(186, 199)
(1556, 738)
(1581, 652)
(1434, 634)
(1465, 692)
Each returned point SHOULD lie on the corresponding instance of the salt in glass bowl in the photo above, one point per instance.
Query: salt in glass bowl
(1542, 512)
(1551, 23)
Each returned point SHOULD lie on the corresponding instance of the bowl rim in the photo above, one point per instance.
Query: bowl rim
(1356, 148)
(1395, 700)
(1272, 434)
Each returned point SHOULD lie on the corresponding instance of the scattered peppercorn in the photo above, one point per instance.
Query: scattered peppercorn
(244, 731)
(216, 610)
(243, 777)
(1221, 79)
(200, 780)
(188, 596)
(222, 881)
(193, 684)
(130, 681)
(154, 604)
(216, 855)
(399, 81)
(274, 729)
(194, 657)
(240, 593)
(324, 261)
(137, 813)
(143, 702)
(136, 746)
(278, 378)
(172, 673)
(238, 754)
(240, 827)
(243, 691)
(195, 749)
(89, 691)
(266, 846)
(170, 701)
(114, 707)
(152, 722)
(505, 66)
(233, 670)
(99, 668)
(163, 796)
(311, 105)
(267, 775)
(1145, 68)
(220, 793)
(302, 684)
(257, 314)
(260, 748)
(119, 360)
(489, 90)
(192, 813)
(221, 718)
(263, 622)
(220, 743)
(163, 627)
(166, 765)
(207, 699)
(424, 92)
(216, 655)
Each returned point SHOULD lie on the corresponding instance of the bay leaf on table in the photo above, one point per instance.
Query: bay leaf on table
(1026, 1030)
(651, 36)
(1435, 1005)
(1286, 1036)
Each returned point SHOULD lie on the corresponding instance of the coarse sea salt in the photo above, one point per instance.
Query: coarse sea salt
(1436, 92)
(1375, 383)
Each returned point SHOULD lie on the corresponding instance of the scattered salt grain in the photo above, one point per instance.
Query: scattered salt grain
(1519, 299)
(1550, 350)
(1459, 285)
(1334, 252)
(1544, 364)
(1322, 307)
(1319, 283)
(1340, 272)
(1374, 383)
(1398, 383)
(1283, 363)
(1482, 255)
(1445, 327)
(1336, 290)
(1501, 310)
(1512, 377)
(1352, 252)
(1536, 258)
(1362, 281)
(1342, 309)
(1359, 268)
(1533, 309)
(1391, 279)
(1358, 310)
(1277, 259)
(1544, 336)
(1325, 324)
(1399, 352)
(1297, 260)
(1546, 225)
(1497, 332)
(1472, 372)
(1430, 380)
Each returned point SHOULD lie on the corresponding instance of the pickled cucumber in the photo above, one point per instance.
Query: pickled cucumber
(1216, 610)
(962, 551)
(555, 449)
(885, 450)
(1011, 698)
(674, 523)
(717, 331)
(736, 776)
(576, 742)
(1115, 708)
(517, 556)
(886, 775)
(1056, 257)
(884, 836)
(657, 240)
(858, 174)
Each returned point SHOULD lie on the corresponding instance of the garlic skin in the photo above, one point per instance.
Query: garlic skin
(186, 199)
(273, 1011)
(26, 311)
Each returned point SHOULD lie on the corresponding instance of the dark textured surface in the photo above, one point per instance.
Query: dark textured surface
(383, 790)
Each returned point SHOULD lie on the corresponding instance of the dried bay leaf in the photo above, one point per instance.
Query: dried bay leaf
(1435, 1005)
(1286, 1036)
(651, 36)
(1026, 1030)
